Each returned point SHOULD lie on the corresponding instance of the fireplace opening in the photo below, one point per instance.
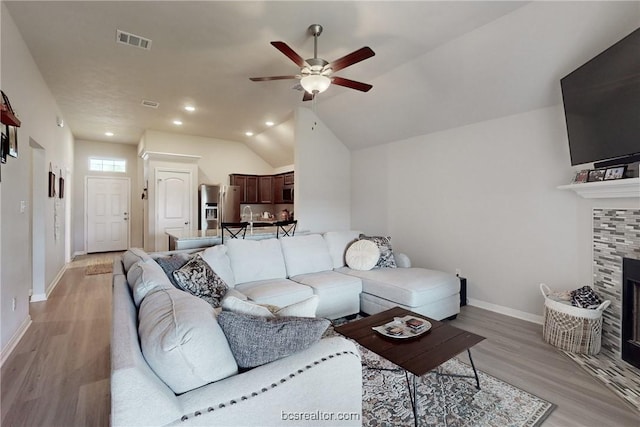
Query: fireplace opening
(631, 311)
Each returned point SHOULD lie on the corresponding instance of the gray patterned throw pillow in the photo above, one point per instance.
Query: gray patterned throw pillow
(386, 253)
(172, 263)
(255, 340)
(197, 278)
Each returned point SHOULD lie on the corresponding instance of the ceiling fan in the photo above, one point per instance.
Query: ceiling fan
(316, 74)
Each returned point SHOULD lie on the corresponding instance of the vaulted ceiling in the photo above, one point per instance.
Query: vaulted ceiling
(438, 65)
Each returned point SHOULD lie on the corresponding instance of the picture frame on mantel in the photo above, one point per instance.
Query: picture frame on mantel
(597, 175)
(617, 172)
(581, 176)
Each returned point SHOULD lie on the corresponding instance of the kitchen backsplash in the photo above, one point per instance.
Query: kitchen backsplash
(258, 209)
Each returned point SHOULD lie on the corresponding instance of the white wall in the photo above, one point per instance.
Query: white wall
(33, 102)
(83, 151)
(219, 158)
(323, 178)
(482, 198)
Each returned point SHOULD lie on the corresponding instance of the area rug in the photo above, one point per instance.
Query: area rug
(445, 400)
(99, 266)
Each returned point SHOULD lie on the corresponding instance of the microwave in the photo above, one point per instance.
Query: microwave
(287, 194)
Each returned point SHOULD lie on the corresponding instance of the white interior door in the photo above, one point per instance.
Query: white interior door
(107, 213)
(173, 204)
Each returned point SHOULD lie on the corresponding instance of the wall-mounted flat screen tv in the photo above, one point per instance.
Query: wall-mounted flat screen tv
(602, 104)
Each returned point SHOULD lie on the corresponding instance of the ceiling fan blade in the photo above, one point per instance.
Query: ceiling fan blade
(266, 79)
(290, 53)
(351, 84)
(307, 96)
(352, 58)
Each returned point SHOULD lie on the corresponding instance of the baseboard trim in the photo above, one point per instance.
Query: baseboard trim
(56, 280)
(78, 253)
(506, 311)
(15, 339)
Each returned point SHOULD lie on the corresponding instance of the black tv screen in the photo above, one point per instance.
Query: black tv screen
(602, 104)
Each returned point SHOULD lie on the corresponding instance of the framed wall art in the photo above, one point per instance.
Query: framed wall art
(52, 182)
(12, 134)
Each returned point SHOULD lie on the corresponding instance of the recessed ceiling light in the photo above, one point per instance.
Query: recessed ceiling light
(190, 108)
(249, 133)
(269, 123)
(177, 122)
(109, 133)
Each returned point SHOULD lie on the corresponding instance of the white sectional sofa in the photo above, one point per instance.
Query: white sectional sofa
(325, 377)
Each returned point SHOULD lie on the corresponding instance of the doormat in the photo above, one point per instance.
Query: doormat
(445, 400)
(99, 266)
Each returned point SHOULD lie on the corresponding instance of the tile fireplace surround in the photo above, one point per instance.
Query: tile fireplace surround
(616, 235)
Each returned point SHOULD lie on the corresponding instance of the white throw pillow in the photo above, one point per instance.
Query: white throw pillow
(304, 308)
(231, 303)
(182, 341)
(338, 242)
(362, 255)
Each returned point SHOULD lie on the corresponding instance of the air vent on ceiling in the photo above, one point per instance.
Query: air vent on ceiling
(150, 104)
(132, 40)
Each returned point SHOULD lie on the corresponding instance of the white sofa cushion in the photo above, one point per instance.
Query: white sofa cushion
(338, 242)
(182, 341)
(253, 260)
(147, 277)
(411, 287)
(278, 292)
(306, 254)
(362, 255)
(218, 260)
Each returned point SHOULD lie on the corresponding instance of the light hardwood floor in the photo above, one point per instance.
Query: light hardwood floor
(58, 375)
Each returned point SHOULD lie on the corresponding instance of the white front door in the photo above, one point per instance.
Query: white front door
(173, 204)
(107, 214)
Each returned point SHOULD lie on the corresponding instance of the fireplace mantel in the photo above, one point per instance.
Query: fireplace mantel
(619, 188)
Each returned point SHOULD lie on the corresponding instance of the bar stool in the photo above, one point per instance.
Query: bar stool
(286, 228)
(234, 229)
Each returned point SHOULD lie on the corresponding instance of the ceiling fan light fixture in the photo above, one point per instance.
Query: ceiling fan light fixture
(315, 83)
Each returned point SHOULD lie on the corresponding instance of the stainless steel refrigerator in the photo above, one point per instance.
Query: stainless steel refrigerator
(218, 204)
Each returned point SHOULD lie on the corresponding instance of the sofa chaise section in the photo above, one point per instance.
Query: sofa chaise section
(267, 395)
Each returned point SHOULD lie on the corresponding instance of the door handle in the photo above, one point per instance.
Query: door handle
(186, 223)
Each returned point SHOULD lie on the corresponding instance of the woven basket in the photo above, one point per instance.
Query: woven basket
(575, 329)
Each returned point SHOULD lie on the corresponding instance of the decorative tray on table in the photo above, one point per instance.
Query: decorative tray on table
(404, 327)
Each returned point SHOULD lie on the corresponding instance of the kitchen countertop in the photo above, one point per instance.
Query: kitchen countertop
(190, 239)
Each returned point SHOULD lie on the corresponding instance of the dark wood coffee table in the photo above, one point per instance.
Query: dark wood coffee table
(418, 355)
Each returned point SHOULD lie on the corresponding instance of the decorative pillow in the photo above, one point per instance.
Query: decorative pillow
(231, 303)
(199, 279)
(172, 263)
(362, 255)
(182, 341)
(386, 252)
(255, 341)
(304, 308)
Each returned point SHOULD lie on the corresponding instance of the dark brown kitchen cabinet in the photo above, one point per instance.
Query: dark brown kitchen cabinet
(289, 178)
(248, 187)
(265, 189)
(278, 185)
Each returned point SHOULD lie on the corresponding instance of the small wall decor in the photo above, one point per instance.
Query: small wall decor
(4, 145)
(61, 186)
(12, 133)
(52, 182)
